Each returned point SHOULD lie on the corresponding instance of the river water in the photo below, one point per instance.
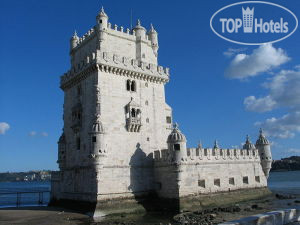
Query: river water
(279, 182)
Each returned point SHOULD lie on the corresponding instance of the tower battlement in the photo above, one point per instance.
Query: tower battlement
(116, 64)
(200, 155)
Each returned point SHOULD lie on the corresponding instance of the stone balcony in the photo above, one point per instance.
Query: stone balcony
(133, 124)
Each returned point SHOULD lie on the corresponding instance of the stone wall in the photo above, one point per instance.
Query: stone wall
(204, 171)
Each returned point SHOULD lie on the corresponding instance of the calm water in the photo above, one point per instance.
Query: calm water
(285, 182)
(28, 199)
(279, 182)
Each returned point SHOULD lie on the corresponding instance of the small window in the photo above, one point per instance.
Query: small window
(143, 56)
(245, 180)
(128, 84)
(133, 86)
(146, 84)
(205, 152)
(78, 143)
(257, 179)
(231, 180)
(147, 120)
(176, 146)
(146, 103)
(197, 151)
(94, 139)
(100, 21)
(201, 183)
(169, 119)
(148, 139)
(217, 182)
(133, 114)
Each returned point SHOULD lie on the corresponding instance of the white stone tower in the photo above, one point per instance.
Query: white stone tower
(263, 146)
(115, 114)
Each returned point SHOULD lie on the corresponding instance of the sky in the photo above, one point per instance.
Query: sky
(218, 89)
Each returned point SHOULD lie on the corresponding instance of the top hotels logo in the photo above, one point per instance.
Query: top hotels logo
(254, 23)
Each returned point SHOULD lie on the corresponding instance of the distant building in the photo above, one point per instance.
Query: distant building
(118, 141)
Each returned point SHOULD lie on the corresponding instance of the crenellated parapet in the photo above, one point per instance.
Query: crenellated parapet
(207, 155)
(116, 64)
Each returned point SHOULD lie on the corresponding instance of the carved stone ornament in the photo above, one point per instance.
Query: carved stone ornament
(106, 56)
(116, 59)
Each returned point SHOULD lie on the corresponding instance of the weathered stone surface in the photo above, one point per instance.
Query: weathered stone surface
(118, 143)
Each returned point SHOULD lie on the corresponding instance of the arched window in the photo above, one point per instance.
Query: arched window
(133, 86)
(133, 114)
(128, 85)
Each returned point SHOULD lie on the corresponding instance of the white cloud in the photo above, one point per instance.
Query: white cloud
(4, 127)
(45, 134)
(32, 133)
(284, 91)
(262, 59)
(283, 127)
(233, 51)
(259, 105)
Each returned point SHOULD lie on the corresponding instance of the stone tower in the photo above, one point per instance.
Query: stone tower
(117, 142)
(115, 114)
(263, 146)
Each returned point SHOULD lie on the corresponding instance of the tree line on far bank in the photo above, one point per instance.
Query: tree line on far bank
(286, 164)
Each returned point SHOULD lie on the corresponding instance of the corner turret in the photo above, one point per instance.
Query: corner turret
(97, 140)
(263, 146)
(102, 19)
(153, 37)
(139, 30)
(177, 144)
(74, 41)
(248, 145)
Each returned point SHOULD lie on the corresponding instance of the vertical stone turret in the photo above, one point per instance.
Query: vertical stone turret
(263, 146)
(248, 145)
(140, 31)
(102, 20)
(74, 41)
(102, 26)
(177, 144)
(97, 141)
(153, 37)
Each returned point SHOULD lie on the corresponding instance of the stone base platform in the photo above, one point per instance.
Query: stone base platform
(152, 203)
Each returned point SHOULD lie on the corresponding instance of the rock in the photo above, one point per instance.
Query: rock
(254, 206)
(248, 209)
(297, 201)
(212, 216)
(279, 196)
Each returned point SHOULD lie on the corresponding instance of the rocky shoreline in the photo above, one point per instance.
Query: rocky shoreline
(210, 216)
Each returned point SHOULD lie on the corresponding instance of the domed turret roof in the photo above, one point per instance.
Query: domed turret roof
(138, 25)
(152, 30)
(262, 140)
(248, 145)
(75, 36)
(97, 125)
(102, 13)
(176, 135)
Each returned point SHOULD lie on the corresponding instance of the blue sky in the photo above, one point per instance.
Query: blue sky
(218, 90)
